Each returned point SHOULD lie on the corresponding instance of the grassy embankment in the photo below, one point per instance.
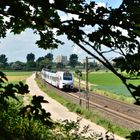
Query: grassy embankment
(106, 83)
(92, 115)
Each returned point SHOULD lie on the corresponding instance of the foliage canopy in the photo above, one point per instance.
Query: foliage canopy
(73, 60)
(30, 57)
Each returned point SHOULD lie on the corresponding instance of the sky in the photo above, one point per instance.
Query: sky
(16, 47)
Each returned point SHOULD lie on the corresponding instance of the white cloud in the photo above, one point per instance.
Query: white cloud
(100, 4)
(68, 16)
(76, 49)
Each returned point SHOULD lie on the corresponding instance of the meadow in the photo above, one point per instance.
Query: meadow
(17, 76)
(107, 81)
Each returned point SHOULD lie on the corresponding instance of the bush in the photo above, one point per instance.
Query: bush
(14, 127)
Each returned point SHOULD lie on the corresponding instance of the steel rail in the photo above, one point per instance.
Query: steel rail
(134, 120)
(100, 107)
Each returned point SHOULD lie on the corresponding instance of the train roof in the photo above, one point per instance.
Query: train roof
(54, 71)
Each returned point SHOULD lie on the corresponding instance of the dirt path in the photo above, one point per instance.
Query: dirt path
(59, 112)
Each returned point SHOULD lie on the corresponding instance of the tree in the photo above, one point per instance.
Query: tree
(49, 56)
(60, 65)
(111, 29)
(39, 59)
(3, 61)
(39, 64)
(30, 57)
(73, 60)
(30, 65)
(45, 62)
(18, 65)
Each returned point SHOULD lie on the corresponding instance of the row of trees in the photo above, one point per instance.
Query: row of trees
(30, 64)
(41, 62)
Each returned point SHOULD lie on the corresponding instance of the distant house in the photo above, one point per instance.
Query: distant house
(61, 59)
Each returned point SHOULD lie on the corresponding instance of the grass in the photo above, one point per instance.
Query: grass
(121, 97)
(18, 73)
(17, 76)
(92, 115)
(109, 82)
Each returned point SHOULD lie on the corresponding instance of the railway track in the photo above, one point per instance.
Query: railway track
(125, 114)
(118, 112)
(118, 106)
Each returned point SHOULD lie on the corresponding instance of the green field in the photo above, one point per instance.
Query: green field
(107, 81)
(17, 76)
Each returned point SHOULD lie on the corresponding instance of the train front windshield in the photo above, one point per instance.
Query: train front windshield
(67, 76)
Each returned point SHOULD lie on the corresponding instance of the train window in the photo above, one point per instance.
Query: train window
(67, 76)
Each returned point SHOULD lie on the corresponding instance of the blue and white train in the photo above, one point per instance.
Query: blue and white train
(60, 79)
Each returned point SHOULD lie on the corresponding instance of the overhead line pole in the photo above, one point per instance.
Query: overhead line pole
(86, 67)
(80, 101)
(86, 78)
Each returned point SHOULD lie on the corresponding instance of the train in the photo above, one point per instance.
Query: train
(59, 79)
